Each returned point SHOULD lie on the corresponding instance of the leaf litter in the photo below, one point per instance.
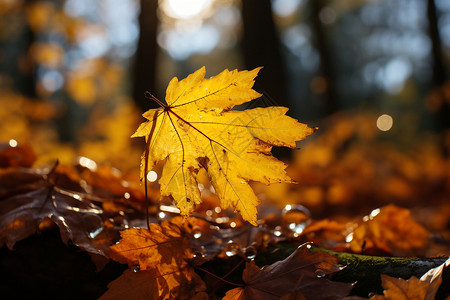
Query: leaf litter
(94, 207)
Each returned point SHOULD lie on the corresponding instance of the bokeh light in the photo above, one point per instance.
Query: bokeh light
(13, 143)
(152, 176)
(87, 163)
(182, 9)
(385, 122)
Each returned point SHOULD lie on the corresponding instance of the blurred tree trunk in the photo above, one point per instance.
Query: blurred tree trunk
(28, 82)
(328, 96)
(261, 47)
(17, 60)
(145, 59)
(439, 73)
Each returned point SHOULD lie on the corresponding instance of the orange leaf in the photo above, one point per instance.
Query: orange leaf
(400, 289)
(163, 246)
(162, 253)
(383, 227)
(133, 285)
(149, 284)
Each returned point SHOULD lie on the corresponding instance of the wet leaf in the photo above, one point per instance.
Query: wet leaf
(162, 252)
(303, 273)
(35, 195)
(160, 246)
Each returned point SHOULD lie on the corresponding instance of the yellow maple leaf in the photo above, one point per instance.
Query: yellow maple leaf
(197, 129)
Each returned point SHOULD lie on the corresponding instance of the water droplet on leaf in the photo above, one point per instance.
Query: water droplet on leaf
(277, 231)
(136, 268)
(250, 252)
(198, 254)
(196, 232)
(120, 221)
(297, 228)
(93, 225)
(320, 273)
(231, 248)
(93, 234)
(295, 218)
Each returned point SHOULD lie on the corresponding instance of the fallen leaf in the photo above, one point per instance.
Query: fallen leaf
(33, 198)
(150, 284)
(303, 273)
(162, 251)
(23, 209)
(400, 289)
(413, 288)
(381, 230)
(155, 247)
(133, 285)
(325, 233)
(196, 130)
(435, 277)
(16, 156)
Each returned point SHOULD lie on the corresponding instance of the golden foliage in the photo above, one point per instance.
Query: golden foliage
(197, 130)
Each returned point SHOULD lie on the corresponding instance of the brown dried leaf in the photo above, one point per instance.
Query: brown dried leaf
(302, 273)
(36, 197)
(413, 288)
(435, 277)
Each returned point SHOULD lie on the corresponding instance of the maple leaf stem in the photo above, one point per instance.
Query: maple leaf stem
(228, 274)
(233, 269)
(51, 185)
(149, 95)
(147, 150)
(220, 278)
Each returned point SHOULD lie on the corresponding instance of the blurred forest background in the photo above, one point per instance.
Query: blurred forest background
(73, 72)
